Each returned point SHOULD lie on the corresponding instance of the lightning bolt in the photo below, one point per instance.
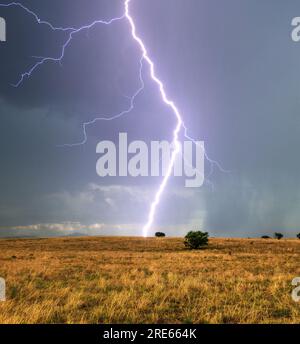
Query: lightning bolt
(113, 117)
(145, 59)
(170, 104)
(70, 30)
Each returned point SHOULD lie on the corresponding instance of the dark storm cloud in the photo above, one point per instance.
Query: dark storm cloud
(233, 71)
(75, 88)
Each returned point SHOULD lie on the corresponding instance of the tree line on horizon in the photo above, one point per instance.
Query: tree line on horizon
(197, 239)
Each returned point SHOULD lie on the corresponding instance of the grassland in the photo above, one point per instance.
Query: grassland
(134, 280)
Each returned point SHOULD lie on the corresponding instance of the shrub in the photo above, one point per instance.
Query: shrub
(298, 236)
(160, 234)
(265, 237)
(196, 239)
(278, 236)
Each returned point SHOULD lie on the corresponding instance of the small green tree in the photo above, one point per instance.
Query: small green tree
(160, 234)
(278, 236)
(298, 236)
(196, 239)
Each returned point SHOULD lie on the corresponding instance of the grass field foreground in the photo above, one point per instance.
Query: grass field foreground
(136, 280)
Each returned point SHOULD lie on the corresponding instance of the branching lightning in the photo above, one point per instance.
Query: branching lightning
(70, 30)
(145, 59)
(110, 118)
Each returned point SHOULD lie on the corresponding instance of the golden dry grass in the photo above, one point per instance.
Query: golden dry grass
(134, 280)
